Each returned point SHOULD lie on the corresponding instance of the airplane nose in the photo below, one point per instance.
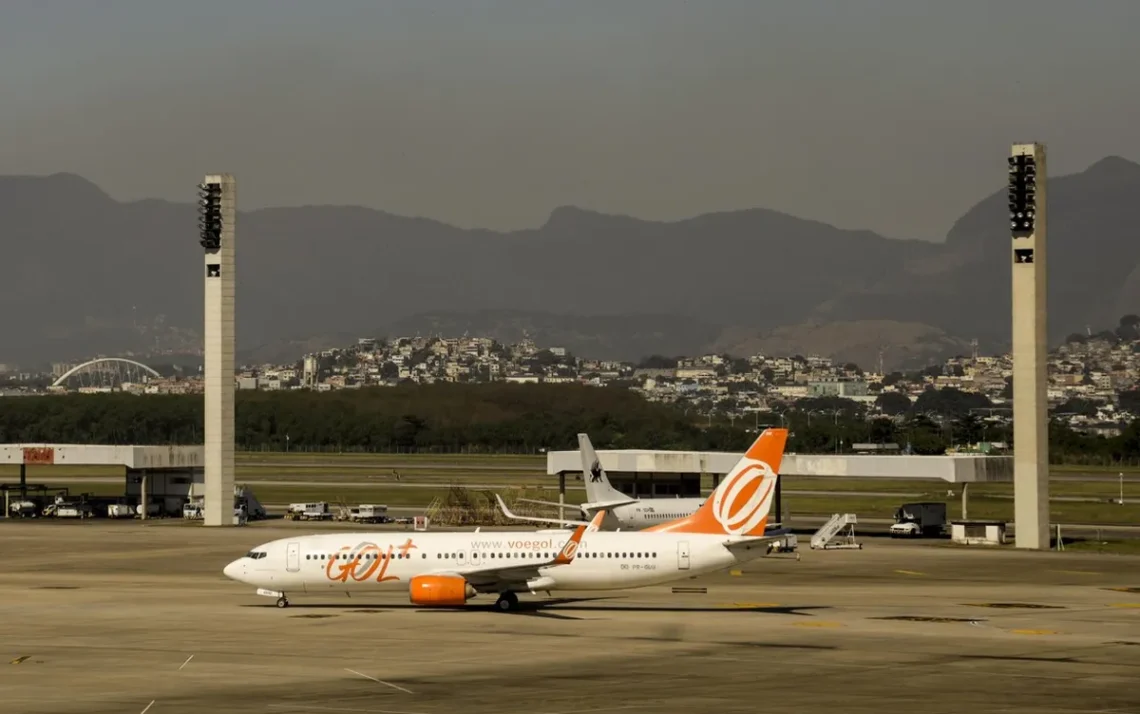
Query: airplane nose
(233, 571)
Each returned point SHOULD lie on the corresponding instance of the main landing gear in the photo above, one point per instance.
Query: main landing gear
(507, 602)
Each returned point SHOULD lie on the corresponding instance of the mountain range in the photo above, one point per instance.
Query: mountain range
(87, 274)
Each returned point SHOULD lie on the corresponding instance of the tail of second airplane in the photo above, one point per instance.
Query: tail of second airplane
(740, 505)
(599, 490)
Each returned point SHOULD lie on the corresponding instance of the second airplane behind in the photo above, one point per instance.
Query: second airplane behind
(622, 512)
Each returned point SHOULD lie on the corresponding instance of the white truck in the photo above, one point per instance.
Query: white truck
(192, 511)
(120, 510)
(23, 509)
(914, 520)
(369, 513)
(309, 512)
(73, 510)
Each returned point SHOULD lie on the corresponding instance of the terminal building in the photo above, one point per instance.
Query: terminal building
(646, 473)
(166, 478)
(641, 473)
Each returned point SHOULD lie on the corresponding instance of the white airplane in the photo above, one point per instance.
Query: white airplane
(446, 569)
(624, 512)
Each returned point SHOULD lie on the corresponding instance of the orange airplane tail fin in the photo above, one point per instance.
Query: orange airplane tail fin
(740, 504)
(566, 555)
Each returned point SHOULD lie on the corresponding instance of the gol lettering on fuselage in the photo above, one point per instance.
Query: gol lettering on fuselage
(363, 562)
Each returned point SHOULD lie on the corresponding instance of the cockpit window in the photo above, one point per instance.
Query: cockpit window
(255, 555)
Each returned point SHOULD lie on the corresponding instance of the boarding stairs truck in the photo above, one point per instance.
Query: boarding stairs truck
(253, 508)
(829, 535)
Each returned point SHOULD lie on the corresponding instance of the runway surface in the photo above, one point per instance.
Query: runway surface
(128, 617)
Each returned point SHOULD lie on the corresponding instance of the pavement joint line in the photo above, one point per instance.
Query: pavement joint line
(381, 681)
(147, 707)
(186, 662)
(309, 708)
(608, 708)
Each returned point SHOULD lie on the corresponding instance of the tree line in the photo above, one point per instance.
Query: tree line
(478, 418)
(523, 418)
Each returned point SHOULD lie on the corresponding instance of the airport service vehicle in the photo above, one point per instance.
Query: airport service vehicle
(73, 510)
(624, 511)
(120, 510)
(919, 519)
(365, 513)
(23, 509)
(308, 512)
(245, 503)
(447, 569)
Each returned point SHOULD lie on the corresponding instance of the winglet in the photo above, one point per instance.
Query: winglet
(596, 521)
(536, 519)
(566, 555)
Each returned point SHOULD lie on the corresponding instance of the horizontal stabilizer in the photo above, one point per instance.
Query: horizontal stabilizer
(607, 505)
(569, 507)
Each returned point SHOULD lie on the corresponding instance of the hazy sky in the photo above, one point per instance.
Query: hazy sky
(894, 115)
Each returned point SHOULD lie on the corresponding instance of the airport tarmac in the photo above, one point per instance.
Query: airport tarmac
(133, 617)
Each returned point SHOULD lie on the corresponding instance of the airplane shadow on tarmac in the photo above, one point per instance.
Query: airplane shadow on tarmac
(539, 608)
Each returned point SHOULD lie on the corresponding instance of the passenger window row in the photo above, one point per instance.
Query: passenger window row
(442, 556)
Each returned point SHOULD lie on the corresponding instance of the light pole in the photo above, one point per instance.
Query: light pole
(835, 421)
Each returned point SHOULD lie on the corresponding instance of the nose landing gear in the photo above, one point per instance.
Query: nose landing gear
(282, 601)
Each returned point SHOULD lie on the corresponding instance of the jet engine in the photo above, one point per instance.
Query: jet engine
(441, 590)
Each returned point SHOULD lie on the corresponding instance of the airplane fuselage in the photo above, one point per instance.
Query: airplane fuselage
(352, 562)
(655, 511)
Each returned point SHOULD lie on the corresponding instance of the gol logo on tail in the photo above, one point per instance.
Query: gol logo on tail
(569, 549)
(368, 560)
(739, 505)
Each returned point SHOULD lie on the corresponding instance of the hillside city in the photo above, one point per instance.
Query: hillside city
(1087, 375)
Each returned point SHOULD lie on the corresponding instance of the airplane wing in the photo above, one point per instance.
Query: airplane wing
(737, 544)
(586, 509)
(494, 578)
(555, 504)
(538, 519)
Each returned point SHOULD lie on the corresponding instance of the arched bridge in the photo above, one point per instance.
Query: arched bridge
(99, 372)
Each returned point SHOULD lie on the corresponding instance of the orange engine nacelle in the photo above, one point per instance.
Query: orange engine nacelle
(444, 590)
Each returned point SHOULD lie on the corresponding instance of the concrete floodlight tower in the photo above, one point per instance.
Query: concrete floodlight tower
(1030, 346)
(217, 209)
